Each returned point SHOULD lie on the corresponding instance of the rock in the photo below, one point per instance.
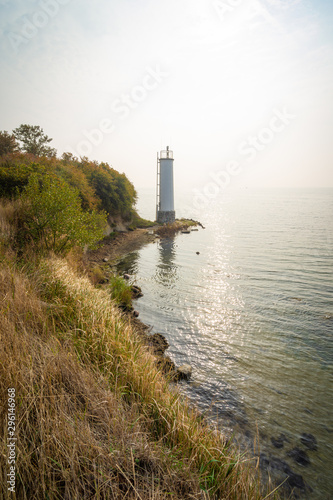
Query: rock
(279, 441)
(158, 343)
(105, 259)
(184, 372)
(135, 314)
(198, 253)
(165, 364)
(126, 277)
(296, 481)
(309, 441)
(299, 456)
(125, 307)
(136, 292)
(276, 466)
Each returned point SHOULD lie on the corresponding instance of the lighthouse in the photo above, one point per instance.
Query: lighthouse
(165, 210)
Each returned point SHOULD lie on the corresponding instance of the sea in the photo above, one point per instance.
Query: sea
(248, 303)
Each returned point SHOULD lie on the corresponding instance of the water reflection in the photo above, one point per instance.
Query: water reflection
(166, 269)
(129, 264)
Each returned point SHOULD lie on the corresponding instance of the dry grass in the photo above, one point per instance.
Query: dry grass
(77, 438)
(7, 210)
(95, 418)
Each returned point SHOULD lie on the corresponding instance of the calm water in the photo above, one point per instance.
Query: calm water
(253, 315)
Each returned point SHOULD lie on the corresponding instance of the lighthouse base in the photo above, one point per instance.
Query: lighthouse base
(166, 217)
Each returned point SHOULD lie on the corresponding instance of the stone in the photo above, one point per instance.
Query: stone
(198, 253)
(283, 472)
(296, 481)
(126, 277)
(184, 372)
(159, 343)
(309, 441)
(299, 456)
(105, 259)
(279, 441)
(135, 314)
(136, 292)
(165, 364)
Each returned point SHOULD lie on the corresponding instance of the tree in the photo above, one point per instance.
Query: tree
(54, 218)
(69, 158)
(8, 143)
(33, 140)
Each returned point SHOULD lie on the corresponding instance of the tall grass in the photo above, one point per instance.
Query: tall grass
(121, 292)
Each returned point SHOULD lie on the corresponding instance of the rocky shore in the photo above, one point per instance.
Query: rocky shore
(99, 265)
(106, 257)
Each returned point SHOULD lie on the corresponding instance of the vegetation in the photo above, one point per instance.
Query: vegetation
(8, 143)
(99, 186)
(33, 140)
(139, 222)
(52, 218)
(121, 292)
(168, 230)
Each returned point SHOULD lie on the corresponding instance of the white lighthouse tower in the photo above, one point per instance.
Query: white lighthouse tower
(165, 210)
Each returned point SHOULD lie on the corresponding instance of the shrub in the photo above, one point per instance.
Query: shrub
(121, 292)
(52, 216)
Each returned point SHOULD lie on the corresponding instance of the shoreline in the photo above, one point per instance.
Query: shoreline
(114, 251)
(106, 257)
(123, 243)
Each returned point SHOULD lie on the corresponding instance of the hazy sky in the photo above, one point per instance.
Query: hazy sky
(240, 90)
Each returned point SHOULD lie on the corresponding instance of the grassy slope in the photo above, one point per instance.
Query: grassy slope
(95, 418)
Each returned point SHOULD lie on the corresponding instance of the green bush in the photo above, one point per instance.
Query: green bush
(15, 173)
(139, 222)
(53, 218)
(121, 292)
